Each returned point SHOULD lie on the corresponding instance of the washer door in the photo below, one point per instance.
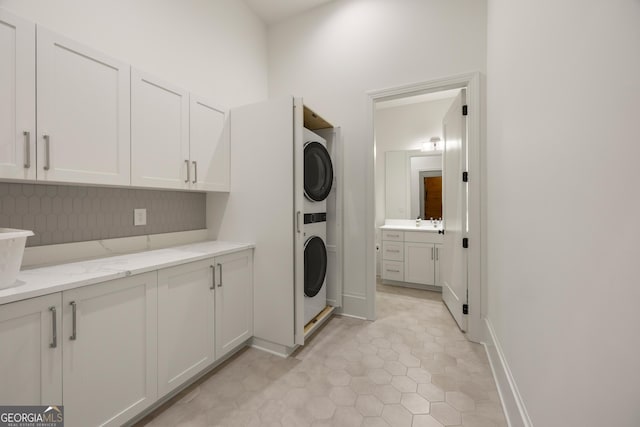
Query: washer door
(315, 265)
(318, 172)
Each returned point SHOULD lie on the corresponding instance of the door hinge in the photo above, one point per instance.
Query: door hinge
(465, 308)
(465, 176)
(465, 242)
(465, 110)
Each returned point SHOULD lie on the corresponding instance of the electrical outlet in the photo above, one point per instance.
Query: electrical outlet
(139, 217)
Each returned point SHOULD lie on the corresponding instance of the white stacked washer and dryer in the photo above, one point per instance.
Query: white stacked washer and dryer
(318, 179)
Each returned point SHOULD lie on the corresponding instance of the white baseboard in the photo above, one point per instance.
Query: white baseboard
(514, 409)
(272, 348)
(354, 306)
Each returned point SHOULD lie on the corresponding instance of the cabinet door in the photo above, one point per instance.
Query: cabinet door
(159, 133)
(209, 146)
(31, 352)
(419, 264)
(110, 350)
(436, 280)
(185, 323)
(17, 97)
(234, 300)
(83, 113)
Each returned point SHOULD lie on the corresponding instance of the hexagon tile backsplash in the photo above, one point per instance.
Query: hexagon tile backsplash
(69, 213)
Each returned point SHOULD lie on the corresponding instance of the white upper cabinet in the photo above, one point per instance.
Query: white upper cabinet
(17, 97)
(209, 146)
(83, 113)
(159, 133)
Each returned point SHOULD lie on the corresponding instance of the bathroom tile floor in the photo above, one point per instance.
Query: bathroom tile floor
(411, 367)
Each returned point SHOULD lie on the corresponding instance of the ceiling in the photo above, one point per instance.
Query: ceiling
(272, 11)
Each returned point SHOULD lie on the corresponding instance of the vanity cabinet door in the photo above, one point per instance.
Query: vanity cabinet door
(419, 263)
(31, 352)
(185, 322)
(17, 97)
(109, 332)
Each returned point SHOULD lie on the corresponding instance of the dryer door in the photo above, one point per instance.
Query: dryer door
(315, 265)
(318, 172)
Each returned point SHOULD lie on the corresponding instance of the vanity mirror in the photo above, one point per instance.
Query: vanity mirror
(413, 184)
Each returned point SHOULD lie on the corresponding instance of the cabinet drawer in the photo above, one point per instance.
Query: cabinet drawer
(393, 251)
(395, 235)
(393, 270)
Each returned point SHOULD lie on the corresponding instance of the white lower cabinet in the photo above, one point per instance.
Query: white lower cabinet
(109, 333)
(411, 257)
(31, 352)
(185, 322)
(234, 300)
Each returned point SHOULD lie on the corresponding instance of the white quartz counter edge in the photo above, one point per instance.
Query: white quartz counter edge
(47, 280)
(422, 228)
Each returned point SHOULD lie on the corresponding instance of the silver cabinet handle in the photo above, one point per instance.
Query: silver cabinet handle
(393, 235)
(74, 335)
(298, 221)
(186, 181)
(437, 254)
(195, 172)
(432, 253)
(213, 277)
(47, 152)
(54, 328)
(27, 149)
(393, 250)
(393, 271)
(220, 268)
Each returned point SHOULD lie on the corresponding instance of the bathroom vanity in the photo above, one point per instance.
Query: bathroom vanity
(411, 254)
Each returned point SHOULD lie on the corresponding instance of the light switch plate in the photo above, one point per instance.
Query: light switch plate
(139, 217)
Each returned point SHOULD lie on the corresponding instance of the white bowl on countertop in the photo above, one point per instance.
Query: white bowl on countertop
(12, 243)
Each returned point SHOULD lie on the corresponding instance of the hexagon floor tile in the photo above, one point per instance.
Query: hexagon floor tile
(411, 367)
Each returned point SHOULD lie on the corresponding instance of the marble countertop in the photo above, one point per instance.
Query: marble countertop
(47, 280)
(425, 227)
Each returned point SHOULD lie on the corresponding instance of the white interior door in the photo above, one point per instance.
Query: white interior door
(453, 264)
(17, 97)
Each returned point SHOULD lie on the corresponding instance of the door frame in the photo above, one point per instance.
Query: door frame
(470, 81)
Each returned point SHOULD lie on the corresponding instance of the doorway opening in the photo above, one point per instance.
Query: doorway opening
(416, 186)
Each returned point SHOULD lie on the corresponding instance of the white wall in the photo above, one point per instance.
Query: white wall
(563, 84)
(216, 49)
(334, 54)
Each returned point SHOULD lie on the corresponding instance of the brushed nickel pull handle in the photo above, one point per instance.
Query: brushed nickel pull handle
(393, 250)
(47, 152)
(393, 271)
(27, 149)
(186, 181)
(54, 336)
(437, 254)
(195, 172)
(220, 268)
(213, 277)
(298, 221)
(74, 335)
(432, 253)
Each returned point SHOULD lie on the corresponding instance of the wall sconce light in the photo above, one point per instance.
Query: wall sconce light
(432, 145)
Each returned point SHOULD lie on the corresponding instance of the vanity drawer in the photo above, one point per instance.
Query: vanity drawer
(395, 235)
(393, 251)
(423, 237)
(393, 270)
